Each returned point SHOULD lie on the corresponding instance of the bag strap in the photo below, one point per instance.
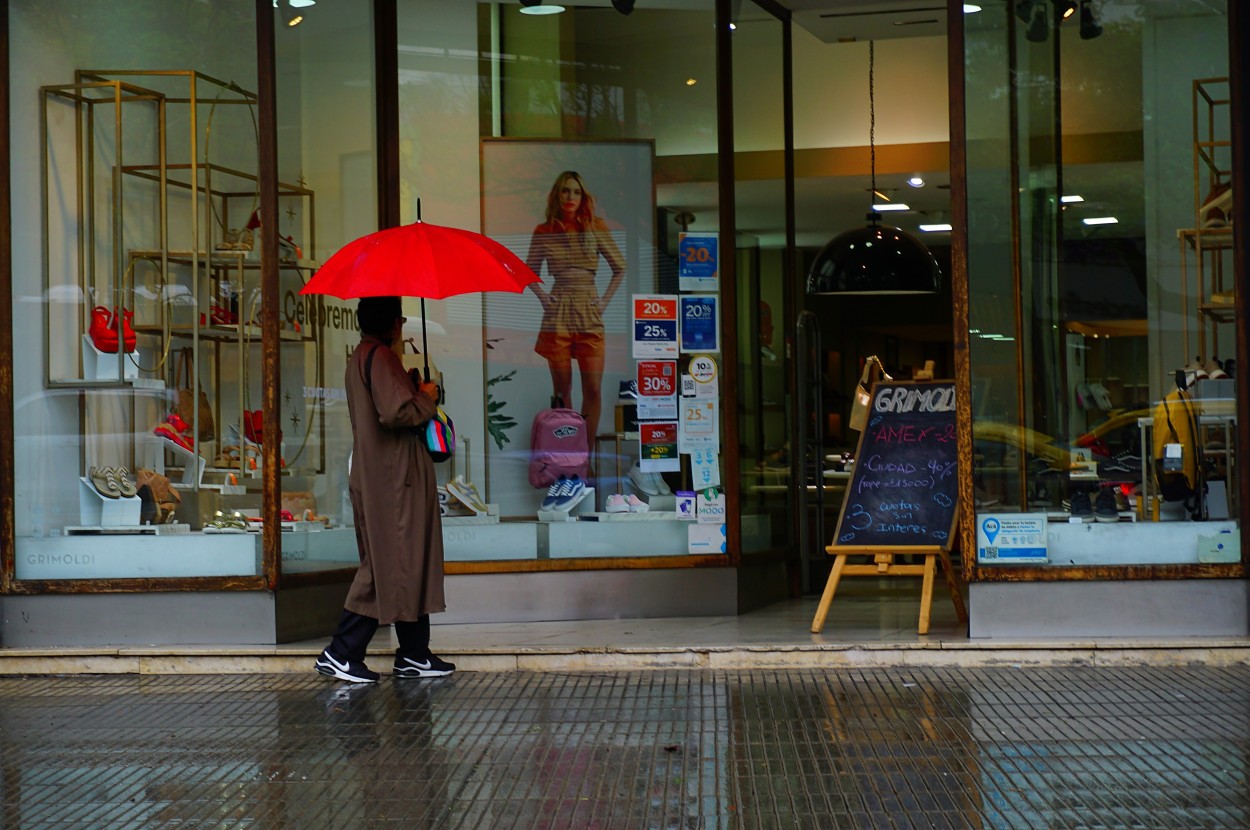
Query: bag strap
(369, 368)
(184, 364)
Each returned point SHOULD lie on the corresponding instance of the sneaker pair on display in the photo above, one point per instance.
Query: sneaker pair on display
(1105, 507)
(625, 504)
(1125, 461)
(649, 483)
(354, 671)
(466, 492)
(564, 494)
(1080, 507)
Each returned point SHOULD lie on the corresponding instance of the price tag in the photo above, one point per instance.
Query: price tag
(655, 325)
(698, 261)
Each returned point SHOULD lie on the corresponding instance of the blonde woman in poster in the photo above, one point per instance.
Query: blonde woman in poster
(570, 241)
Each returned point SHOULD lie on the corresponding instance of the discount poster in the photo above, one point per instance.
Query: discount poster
(700, 323)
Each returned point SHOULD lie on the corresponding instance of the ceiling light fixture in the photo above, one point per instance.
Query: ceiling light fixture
(1090, 27)
(1033, 13)
(1100, 220)
(1073, 199)
(1067, 8)
(876, 259)
(886, 207)
(916, 181)
(936, 227)
(971, 8)
(539, 7)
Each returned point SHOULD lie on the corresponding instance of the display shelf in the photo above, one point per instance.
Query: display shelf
(1206, 252)
(171, 207)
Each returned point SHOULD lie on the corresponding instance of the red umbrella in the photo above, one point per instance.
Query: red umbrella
(420, 260)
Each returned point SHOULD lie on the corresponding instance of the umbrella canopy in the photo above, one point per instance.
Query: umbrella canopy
(420, 260)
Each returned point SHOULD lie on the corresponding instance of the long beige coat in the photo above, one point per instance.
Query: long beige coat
(393, 492)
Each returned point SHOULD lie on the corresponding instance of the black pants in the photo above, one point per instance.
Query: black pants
(355, 631)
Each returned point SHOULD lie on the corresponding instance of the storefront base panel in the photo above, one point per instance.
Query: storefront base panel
(190, 618)
(590, 595)
(1173, 608)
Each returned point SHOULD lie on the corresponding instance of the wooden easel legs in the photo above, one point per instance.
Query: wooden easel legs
(884, 566)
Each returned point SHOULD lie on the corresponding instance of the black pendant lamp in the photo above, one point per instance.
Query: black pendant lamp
(877, 258)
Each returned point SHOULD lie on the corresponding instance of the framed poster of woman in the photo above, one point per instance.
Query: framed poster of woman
(582, 216)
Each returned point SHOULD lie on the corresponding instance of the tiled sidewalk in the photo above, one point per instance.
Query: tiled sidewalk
(1074, 747)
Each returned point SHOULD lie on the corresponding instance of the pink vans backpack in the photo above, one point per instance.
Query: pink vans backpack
(558, 446)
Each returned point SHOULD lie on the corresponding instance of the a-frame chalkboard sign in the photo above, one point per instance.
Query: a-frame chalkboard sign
(902, 494)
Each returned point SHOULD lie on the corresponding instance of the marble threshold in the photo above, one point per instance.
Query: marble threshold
(877, 633)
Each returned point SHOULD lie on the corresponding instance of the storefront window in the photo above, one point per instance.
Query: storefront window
(551, 135)
(140, 182)
(1100, 283)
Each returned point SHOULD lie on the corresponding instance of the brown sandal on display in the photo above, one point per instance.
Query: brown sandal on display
(125, 485)
(104, 482)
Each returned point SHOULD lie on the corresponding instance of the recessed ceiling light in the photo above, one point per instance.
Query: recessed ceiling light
(889, 206)
(938, 227)
(971, 8)
(691, 82)
(540, 8)
(300, 4)
(1071, 199)
(916, 181)
(1101, 220)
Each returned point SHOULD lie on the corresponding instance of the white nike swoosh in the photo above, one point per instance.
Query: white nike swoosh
(340, 666)
(424, 666)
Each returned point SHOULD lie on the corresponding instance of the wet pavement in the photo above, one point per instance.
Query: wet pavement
(1070, 747)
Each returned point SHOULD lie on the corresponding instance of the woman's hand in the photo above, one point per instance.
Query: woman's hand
(603, 303)
(544, 299)
(430, 390)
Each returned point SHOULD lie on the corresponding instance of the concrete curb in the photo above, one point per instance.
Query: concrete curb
(285, 660)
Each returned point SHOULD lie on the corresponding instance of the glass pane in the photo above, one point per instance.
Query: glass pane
(877, 137)
(496, 108)
(140, 172)
(328, 197)
(763, 276)
(1102, 408)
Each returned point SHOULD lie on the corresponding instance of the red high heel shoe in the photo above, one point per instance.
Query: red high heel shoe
(176, 430)
(102, 333)
(222, 316)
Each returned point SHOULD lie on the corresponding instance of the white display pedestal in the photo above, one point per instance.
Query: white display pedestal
(192, 463)
(95, 510)
(98, 365)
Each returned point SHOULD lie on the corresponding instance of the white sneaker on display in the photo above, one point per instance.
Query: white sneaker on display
(467, 493)
(648, 483)
(616, 503)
